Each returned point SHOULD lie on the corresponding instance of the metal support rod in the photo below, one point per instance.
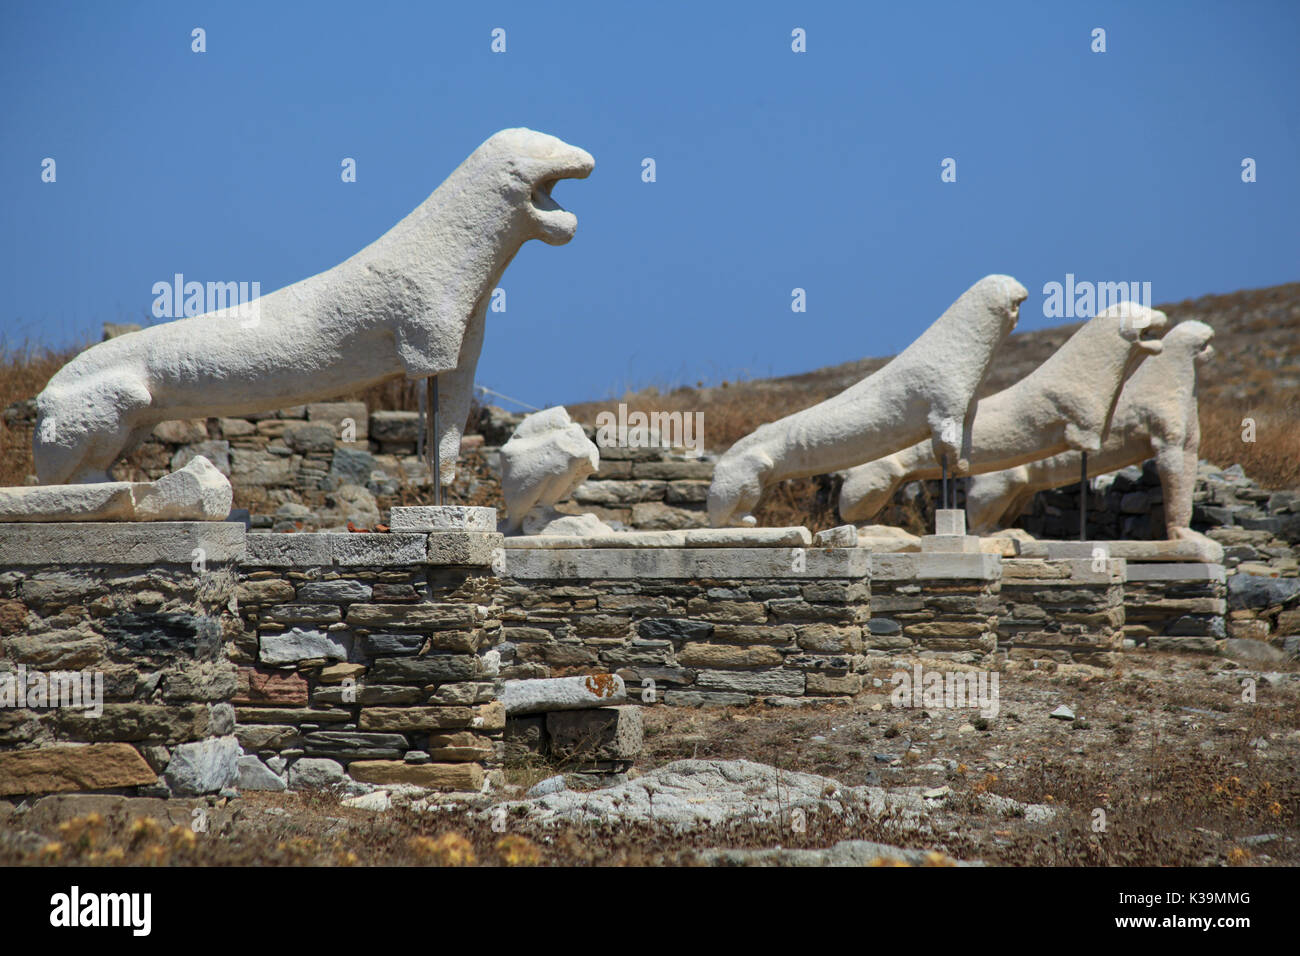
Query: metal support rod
(431, 441)
(423, 428)
(944, 473)
(1083, 498)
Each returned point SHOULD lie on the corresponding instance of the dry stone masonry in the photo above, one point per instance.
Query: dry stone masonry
(369, 655)
(112, 623)
(691, 626)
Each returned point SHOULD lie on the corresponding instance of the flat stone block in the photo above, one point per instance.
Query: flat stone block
(949, 522)
(706, 698)
(297, 645)
(607, 733)
(1065, 572)
(1205, 551)
(894, 566)
(430, 518)
(433, 776)
(619, 539)
(471, 548)
(562, 693)
(777, 681)
(689, 563)
(59, 769)
(1175, 572)
(797, 537)
(120, 542)
(377, 550)
(950, 544)
(289, 550)
(406, 720)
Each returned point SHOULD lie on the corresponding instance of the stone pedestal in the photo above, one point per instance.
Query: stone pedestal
(1175, 606)
(691, 626)
(1062, 610)
(439, 518)
(950, 534)
(112, 666)
(372, 656)
(223, 659)
(939, 602)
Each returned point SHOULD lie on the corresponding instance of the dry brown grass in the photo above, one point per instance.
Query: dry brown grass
(23, 373)
(731, 410)
(1273, 458)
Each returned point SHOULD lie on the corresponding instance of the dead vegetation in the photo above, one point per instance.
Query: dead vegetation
(1165, 765)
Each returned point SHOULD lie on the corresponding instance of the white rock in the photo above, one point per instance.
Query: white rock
(205, 766)
(562, 693)
(843, 536)
(315, 773)
(1065, 403)
(300, 645)
(1062, 713)
(882, 537)
(198, 492)
(553, 784)
(1156, 417)
(686, 794)
(377, 801)
(411, 303)
(255, 775)
(548, 521)
(545, 459)
(927, 390)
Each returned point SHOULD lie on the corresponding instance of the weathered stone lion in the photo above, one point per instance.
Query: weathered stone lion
(927, 389)
(1156, 418)
(545, 459)
(1065, 403)
(411, 303)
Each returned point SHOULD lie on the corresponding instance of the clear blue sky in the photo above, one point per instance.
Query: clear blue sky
(776, 170)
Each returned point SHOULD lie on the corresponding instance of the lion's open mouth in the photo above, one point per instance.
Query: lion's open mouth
(1152, 346)
(541, 196)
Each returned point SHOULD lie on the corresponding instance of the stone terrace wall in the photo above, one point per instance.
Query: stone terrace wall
(293, 470)
(1177, 606)
(147, 608)
(325, 656)
(1062, 610)
(369, 655)
(690, 626)
(646, 489)
(941, 603)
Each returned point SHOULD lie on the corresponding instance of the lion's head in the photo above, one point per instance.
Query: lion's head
(1193, 336)
(533, 163)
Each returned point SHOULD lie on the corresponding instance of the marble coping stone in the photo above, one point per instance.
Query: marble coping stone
(1066, 572)
(1184, 571)
(432, 518)
(400, 549)
(952, 544)
(120, 542)
(796, 537)
(1203, 552)
(686, 563)
(935, 566)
